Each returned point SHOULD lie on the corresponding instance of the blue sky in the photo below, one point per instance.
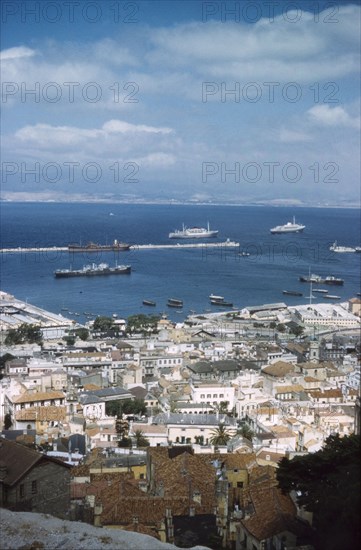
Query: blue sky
(218, 101)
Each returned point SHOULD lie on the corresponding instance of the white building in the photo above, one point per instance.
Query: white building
(213, 394)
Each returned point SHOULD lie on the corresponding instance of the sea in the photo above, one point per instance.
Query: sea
(255, 272)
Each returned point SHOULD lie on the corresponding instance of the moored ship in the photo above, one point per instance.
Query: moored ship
(219, 301)
(341, 249)
(289, 227)
(329, 280)
(93, 270)
(193, 233)
(174, 302)
(292, 292)
(95, 247)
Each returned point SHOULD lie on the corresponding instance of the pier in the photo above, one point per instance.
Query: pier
(177, 246)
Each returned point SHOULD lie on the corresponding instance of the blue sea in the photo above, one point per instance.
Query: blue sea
(274, 264)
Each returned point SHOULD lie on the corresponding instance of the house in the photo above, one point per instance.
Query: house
(354, 306)
(275, 374)
(207, 394)
(30, 399)
(33, 482)
(194, 428)
(266, 526)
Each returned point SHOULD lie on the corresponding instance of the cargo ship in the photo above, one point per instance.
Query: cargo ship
(193, 233)
(329, 280)
(95, 247)
(93, 270)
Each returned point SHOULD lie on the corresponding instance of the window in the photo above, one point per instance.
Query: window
(240, 484)
(34, 487)
(202, 395)
(221, 395)
(209, 395)
(22, 490)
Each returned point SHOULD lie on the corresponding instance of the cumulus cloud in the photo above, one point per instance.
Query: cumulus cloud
(16, 53)
(293, 136)
(120, 126)
(332, 116)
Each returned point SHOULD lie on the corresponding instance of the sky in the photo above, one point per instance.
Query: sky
(219, 101)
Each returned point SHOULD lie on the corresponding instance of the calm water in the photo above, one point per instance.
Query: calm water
(274, 264)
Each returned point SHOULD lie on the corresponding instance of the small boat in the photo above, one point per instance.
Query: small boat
(292, 292)
(174, 302)
(216, 299)
(219, 301)
(331, 297)
(358, 249)
(149, 303)
(336, 248)
(321, 290)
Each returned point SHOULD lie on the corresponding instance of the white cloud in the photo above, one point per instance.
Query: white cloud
(332, 116)
(158, 159)
(16, 53)
(293, 136)
(120, 126)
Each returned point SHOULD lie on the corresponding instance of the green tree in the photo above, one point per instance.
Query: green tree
(125, 406)
(297, 330)
(220, 435)
(7, 421)
(223, 407)
(103, 324)
(246, 432)
(6, 357)
(82, 333)
(125, 442)
(281, 327)
(25, 333)
(144, 324)
(327, 483)
(69, 340)
(140, 439)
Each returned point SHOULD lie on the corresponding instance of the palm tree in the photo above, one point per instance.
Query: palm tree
(140, 439)
(246, 432)
(222, 407)
(220, 436)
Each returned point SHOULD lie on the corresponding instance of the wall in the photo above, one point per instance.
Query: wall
(52, 494)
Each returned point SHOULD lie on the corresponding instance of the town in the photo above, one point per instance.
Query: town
(175, 430)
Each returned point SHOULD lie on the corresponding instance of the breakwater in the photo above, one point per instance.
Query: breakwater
(225, 244)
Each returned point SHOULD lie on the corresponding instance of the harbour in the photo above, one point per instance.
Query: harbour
(194, 272)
